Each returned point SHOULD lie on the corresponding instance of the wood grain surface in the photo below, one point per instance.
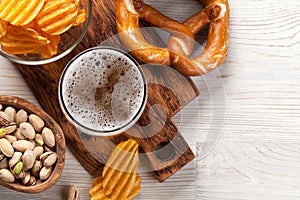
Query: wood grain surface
(256, 93)
(43, 81)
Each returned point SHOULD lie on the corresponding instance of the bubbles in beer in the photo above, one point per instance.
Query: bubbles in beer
(104, 90)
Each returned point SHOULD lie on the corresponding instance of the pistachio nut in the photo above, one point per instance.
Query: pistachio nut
(50, 160)
(32, 181)
(26, 179)
(37, 123)
(27, 130)
(11, 113)
(48, 137)
(6, 148)
(19, 176)
(11, 128)
(39, 140)
(28, 159)
(6, 176)
(10, 138)
(4, 163)
(73, 193)
(23, 145)
(45, 173)
(2, 132)
(45, 155)
(19, 135)
(15, 159)
(38, 151)
(36, 168)
(21, 116)
(18, 168)
(3, 115)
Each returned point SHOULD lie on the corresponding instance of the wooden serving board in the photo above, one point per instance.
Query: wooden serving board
(156, 133)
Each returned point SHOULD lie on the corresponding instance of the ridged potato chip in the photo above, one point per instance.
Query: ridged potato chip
(35, 25)
(81, 17)
(50, 49)
(119, 180)
(19, 40)
(18, 12)
(97, 191)
(3, 25)
(57, 16)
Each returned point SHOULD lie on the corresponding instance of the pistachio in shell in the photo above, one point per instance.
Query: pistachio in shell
(48, 137)
(6, 176)
(6, 148)
(27, 130)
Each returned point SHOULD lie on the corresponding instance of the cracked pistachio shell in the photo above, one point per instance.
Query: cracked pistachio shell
(18, 168)
(39, 140)
(26, 179)
(50, 160)
(4, 115)
(11, 128)
(32, 181)
(21, 175)
(15, 159)
(2, 132)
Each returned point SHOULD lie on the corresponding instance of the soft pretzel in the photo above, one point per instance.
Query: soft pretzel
(180, 45)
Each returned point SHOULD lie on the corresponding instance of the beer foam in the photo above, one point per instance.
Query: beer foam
(103, 90)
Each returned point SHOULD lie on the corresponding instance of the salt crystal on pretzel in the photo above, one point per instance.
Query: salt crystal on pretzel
(215, 13)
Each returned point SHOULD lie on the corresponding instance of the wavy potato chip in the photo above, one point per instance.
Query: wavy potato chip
(19, 40)
(3, 25)
(20, 12)
(50, 49)
(35, 26)
(57, 16)
(81, 17)
(119, 180)
(97, 191)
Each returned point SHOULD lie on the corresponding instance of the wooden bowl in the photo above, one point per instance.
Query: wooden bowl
(19, 103)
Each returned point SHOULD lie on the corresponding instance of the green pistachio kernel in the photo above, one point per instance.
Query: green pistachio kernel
(39, 139)
(18, 168)
(2, 132)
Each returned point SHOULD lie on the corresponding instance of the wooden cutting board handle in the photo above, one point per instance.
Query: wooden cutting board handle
(167, 88)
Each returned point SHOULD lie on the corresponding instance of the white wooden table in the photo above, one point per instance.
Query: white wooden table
(244, 127)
